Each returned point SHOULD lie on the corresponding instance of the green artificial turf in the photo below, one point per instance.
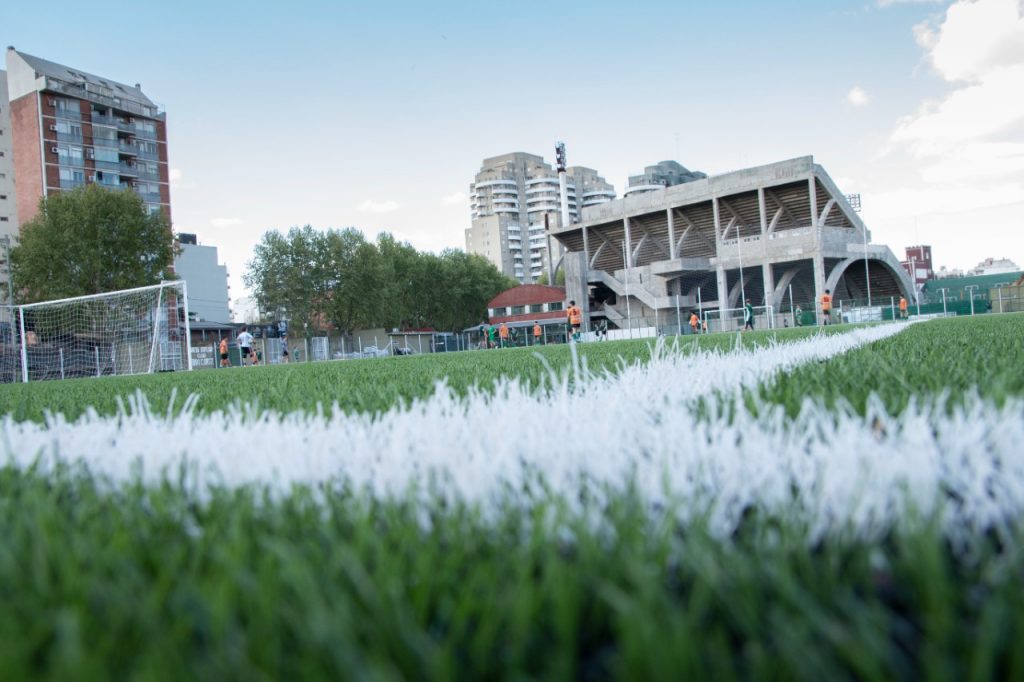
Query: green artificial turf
(367, 385)
(126, 582)
(150, 584)
(952, 356)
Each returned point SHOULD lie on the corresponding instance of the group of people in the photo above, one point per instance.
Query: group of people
(247, 353)
(503, 336)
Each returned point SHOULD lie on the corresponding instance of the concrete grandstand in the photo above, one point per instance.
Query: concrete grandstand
(747, 235)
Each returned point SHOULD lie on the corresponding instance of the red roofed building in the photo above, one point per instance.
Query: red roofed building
(522, 305)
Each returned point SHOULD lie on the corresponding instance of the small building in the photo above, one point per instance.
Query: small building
(207, 280)
(522, 306)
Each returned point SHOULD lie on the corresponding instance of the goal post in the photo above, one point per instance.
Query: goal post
(133, 331)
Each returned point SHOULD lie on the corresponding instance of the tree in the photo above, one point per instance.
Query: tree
(559, 278)
(289, 275)
(91, 240)
(340, 278)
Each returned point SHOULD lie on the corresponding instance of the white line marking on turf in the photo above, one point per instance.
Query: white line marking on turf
(861, 475)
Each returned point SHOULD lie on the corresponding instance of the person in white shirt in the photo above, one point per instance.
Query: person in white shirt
(244, 341)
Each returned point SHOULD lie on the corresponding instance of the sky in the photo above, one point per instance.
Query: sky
(378, 115)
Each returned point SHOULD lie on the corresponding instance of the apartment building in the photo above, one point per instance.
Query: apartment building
(70, 128)
(8, 206)
(513, 199)
(661, 175)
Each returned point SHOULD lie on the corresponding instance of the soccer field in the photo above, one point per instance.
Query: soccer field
(791, 504)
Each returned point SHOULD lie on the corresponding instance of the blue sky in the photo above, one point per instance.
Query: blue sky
(378, 115)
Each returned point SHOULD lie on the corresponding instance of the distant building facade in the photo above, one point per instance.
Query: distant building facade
(70, 128)
(207, 280)
(661, 175)
(994, 266)
(918, 265)
(514, 199)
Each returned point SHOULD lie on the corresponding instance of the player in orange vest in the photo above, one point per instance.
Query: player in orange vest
(224, 362)
(826, 305)
(903, 307)
(537, 333)
(503, 334)
(575, 316)
(694, 321)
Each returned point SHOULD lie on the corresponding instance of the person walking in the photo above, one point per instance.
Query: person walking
(903, 307)
(798, 317)
(694, 322)
(503, 334)
(245, 346)
(492, 337)
(826, 306)
(224, 361)
(748, 317)
(537, 334)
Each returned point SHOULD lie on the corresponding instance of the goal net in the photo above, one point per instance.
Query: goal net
(135, 331)
(732, 319)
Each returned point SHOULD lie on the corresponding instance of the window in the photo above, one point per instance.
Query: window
(552, 307)
(536, 307)
(3, 219)
(3, 197)
(518, 309)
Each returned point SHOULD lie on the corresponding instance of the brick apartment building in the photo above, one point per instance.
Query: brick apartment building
(70, 128)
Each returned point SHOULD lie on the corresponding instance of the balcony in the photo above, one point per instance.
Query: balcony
(495, 183)
(127, 148)
(129, 169)
(550, 180)
(506, 209)
(543, 208)
(70, 137)
(147, 154)
(84, 91)
(153, 197)
(609, 193)
(505, 190)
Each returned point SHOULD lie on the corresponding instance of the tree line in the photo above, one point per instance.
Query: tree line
(337, 279)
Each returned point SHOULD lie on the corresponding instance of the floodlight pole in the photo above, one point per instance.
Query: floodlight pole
(970, 290)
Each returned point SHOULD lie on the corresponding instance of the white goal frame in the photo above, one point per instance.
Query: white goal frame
(160, 347)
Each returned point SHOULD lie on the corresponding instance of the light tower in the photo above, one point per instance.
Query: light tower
(563, 189)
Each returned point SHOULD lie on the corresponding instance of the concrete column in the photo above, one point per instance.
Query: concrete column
(723, 291)
(769, 284)
(576, 288)
(671, 234)
(814, 206)
(586, 248)
(762, 211)
(629, 242)
(718, 221)
(819, 281)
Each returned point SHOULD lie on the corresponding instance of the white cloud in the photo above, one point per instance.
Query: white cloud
(371, 206)
(226, 222)
(455, 199)
(175, 175)
(975, 39)
(857, 96)
(975, 130)
(890, 3)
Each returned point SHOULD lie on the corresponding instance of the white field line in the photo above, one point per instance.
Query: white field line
(832, 471)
